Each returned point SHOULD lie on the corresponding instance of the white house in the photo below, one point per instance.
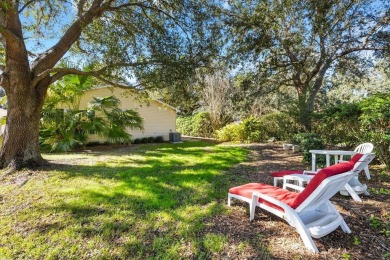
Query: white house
(159, 118)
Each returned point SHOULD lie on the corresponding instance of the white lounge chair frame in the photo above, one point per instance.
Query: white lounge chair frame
(353, 187)
(363, 148)
(316, 216)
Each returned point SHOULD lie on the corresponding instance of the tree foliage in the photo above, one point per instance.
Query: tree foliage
(295, 43)
(134, 44)
(375, 124)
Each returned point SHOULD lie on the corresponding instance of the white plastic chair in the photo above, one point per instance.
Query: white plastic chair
(313, 215)
(352, 188)
(363, 148)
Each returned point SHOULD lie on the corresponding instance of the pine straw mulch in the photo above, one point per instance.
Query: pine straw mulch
(269, 237)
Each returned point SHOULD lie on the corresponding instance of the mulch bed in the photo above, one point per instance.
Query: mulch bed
(269, 237)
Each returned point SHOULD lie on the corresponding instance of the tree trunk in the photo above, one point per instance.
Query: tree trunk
(20, 146)
(303, 114)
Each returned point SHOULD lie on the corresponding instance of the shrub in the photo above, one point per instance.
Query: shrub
(279, 125)
(247, 131)
(136, 141)
(148, 140)
(230, 133)
(339, 125)
(184, 125)
(251, 131)
(308, 141)
(202, 125)
(375, 124)
(158, 139)
(196, 125)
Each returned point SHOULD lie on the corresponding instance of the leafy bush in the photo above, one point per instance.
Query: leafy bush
(247, 131)
(308, 141)
(375, 124)
(279, 125)
(202, 125)
(184, 125)
(158, 139)
(251, 130)
(232, 132)
(65, 129)
(339, 125)
(148, 140)
(196, 125)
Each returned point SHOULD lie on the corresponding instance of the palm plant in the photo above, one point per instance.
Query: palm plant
(64, 126)
(116, 120)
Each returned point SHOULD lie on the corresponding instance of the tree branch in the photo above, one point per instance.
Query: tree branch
(118, 85)
(60, 72)
(349, 51)
(49, 58)
(25, 5)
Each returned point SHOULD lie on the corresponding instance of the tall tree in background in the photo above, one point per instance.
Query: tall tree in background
(295, 43)
(216, 93)
(129, 39)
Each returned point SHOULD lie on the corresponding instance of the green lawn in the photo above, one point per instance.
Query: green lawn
(149, 202)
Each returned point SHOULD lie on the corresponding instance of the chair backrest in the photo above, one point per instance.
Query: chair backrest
(327, 182)
(363, 162)
(364, 148)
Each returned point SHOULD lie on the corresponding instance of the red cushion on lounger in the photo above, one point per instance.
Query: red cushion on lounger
(287, 172)
(356, 158)
(318, 178)
(247, 190)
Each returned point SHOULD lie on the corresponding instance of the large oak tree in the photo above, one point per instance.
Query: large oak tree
(296, 43)
(41, 41)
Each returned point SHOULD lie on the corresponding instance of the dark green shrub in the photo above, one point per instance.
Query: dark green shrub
(158, 139)
(251, 131)
(339, 125)
(308, 141)
(184, 125)
(136, 141)
(149, 140)
(282, 126)
(375, 124)
(202, 125)
(196, 125)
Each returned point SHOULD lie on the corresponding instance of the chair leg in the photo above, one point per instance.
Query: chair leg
(345, 227)
(352, 193)
(367, 172)
(306, 237)
(252, 208)
(229, 199)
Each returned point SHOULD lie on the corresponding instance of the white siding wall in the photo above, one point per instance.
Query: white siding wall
(159, 119)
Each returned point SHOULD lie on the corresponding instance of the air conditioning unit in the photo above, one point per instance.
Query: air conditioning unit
(174, 137)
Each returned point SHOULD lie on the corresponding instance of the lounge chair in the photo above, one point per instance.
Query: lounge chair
(352, 188)
(309, 212)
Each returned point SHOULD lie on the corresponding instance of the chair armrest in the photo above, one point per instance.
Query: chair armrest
(293, 186)
(297, 177)
(310, 172)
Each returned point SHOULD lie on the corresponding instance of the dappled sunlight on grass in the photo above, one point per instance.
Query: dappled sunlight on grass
(150, 202)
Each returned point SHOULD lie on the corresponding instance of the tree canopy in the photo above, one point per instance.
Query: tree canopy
(42, 41)
(296, 43)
